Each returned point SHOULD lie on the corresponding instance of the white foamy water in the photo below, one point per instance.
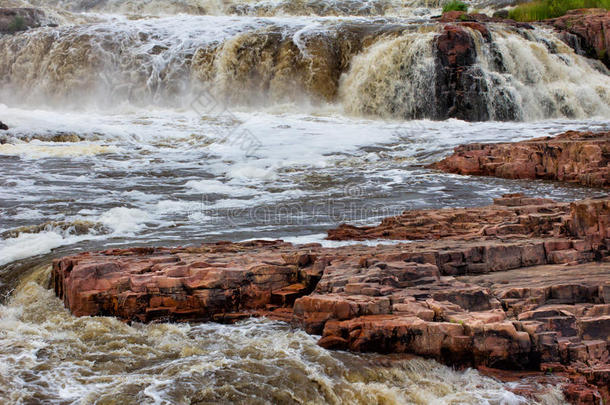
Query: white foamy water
(94, 360)
(172, 175)
(143, 122)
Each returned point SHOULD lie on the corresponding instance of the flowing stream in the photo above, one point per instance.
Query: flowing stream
(147, 122)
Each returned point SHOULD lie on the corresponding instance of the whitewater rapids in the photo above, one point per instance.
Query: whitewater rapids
(126, 128)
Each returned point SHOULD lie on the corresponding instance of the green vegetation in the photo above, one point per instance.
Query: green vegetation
(543, 9)
(18, 24)
(455, 5)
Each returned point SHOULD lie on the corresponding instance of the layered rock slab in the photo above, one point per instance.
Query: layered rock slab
(526, 300)
(577, 157)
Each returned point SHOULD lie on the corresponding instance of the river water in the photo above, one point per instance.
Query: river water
(143, 122)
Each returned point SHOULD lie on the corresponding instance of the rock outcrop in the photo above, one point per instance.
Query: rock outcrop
(579, 157)
(527, 291)
(20, 19)
(510, 216)
(587, 31)
(3, 126)
(460, 81)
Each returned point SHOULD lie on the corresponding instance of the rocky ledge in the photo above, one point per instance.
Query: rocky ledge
(587, 31)
(579, 157)
(529, 290)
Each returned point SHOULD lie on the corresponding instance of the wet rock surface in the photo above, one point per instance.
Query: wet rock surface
(578, 157)
(587, 31)
(3, 126)
(514, 216)
(534, 298)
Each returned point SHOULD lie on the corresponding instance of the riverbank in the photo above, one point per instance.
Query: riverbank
(519, 285)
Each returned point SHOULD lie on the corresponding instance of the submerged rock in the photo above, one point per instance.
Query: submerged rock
(579, 157)
(495, 293)
(73, 228)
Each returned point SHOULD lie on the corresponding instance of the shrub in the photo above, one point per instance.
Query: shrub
(18, 24)
(455, 5)
(543, 9)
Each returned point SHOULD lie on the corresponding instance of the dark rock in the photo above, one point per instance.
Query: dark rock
(3, 126)
(20, 19)
(459, 82)
(503, 14)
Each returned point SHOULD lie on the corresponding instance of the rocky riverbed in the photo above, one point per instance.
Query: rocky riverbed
(523, 284)
(303, 134)
(572, 157)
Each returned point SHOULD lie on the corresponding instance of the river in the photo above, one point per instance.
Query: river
(144, 122)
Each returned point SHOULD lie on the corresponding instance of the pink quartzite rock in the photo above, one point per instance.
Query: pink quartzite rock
(587, 31)
(493, 292)
(579, 157)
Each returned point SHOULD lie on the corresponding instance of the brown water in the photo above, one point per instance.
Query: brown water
(126, 124)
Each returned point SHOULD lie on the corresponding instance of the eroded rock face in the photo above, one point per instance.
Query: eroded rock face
(193, 284)
(459, 82)
(20, 19)
(579, 157)
(587, 31)
(468, 298)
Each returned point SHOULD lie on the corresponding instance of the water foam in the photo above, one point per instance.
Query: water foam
(65, 358)
(378, 69)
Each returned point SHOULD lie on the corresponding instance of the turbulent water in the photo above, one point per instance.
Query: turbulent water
(178, 122)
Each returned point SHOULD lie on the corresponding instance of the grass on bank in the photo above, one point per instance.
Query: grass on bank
(543, 9)
(455, 5)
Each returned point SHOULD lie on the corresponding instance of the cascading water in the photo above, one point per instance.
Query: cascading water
(386, 69)
(123, 123)
(240, 7)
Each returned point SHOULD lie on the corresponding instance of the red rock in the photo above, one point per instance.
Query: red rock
(575, 390)
(587, 31)
(579, 157)
(472, 296)
(512, 215)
